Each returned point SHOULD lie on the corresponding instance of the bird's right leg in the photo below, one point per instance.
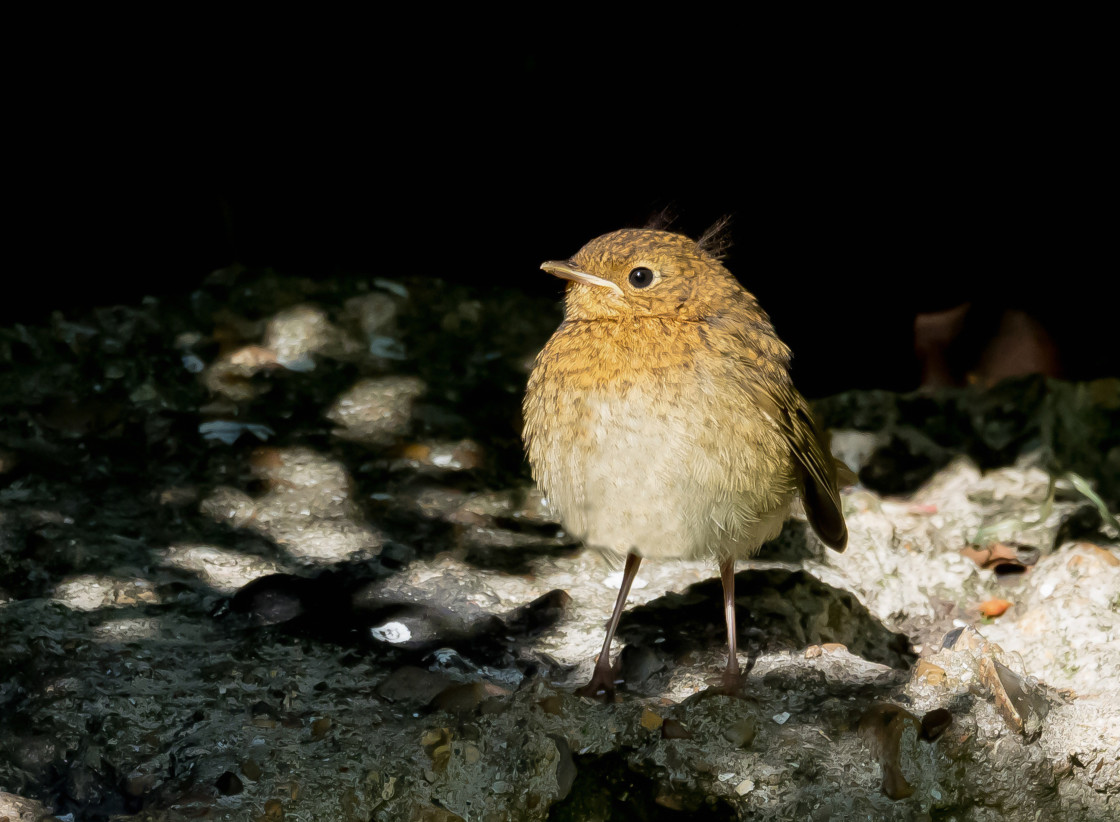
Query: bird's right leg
(730, 683)
(602, 678)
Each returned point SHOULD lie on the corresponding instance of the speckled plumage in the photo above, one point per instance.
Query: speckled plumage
(661, 421)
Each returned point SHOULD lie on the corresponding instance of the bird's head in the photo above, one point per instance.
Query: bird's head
(645, 273)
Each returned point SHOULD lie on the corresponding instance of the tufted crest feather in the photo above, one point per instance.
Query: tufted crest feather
(662, 220)
(716, 241)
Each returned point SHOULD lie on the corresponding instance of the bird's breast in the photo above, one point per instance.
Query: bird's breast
(641, 447)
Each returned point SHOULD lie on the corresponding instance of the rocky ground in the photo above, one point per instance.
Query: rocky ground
(272, 552)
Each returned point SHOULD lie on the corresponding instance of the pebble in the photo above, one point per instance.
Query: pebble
(639, 663)
(672, 729)
(411, 685)
(250, 769)
(741, 733)
(650, 720)
(465, 697)
(320, 727)
(552, 704)
(933, 674)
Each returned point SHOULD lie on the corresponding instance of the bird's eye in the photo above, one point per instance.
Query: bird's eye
(641, 277)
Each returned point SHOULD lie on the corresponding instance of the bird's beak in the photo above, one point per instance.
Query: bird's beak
(567, 271)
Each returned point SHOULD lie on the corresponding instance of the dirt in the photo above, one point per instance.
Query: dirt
(271, 551)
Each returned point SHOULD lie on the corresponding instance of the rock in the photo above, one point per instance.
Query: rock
(1003, 558)
(566, 770)
(320, 727)
(552, 704)
(89, 592)
(1023, 705)
(540, 614)
(250, 769)
(464, 455)
(307, 507)
(412, 686)
(674, 729)
(301, 331)
(994, 607)
(741, 733)
(376, 411)
(638, 664)
(650, 720)
(883, 726)
(465, 697)
(224, 570)
(19, 809)
(375, 314)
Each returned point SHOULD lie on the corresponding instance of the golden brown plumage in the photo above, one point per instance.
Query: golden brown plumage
(660, 418)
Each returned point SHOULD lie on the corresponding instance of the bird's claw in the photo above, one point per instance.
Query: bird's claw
(601, 685)
(729, 683)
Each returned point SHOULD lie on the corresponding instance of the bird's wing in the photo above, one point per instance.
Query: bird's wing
(818, 467)
(761, 362)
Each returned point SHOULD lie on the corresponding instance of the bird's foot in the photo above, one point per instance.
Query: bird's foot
(729, 683)
(601, 685)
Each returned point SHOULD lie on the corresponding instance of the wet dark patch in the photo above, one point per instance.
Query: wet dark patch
(608, 790)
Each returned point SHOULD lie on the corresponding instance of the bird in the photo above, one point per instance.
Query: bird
(660, 419)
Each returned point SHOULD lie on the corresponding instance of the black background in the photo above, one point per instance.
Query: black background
(857, 197)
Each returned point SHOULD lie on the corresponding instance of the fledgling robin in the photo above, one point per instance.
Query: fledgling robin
(661, 421)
